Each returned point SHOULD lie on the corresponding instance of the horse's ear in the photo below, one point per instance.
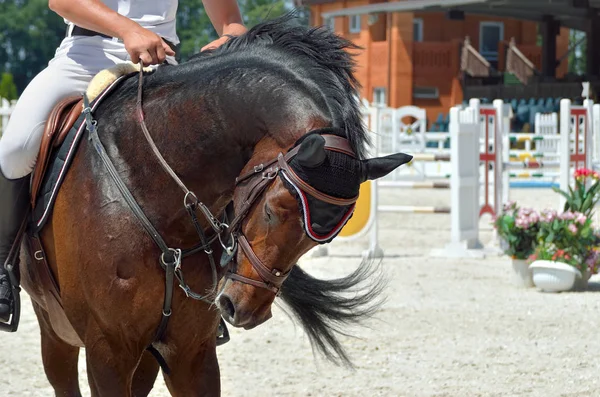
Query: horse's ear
(312, 151)
(381, 166)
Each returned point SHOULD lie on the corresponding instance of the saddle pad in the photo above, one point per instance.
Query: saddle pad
(61, 159)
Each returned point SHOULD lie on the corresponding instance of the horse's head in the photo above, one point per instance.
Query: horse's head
(286, 207)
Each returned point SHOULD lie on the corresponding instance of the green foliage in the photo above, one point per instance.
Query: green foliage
(29, 35)
(518, 227)
(256, 11)
(578, 52)
(582, 199)
(30, 32)
(193, 28)
(8, 89)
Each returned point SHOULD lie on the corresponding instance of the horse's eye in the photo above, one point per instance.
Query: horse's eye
(268, 214)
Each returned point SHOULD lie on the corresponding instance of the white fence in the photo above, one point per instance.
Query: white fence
(5, 110)
(481, 162)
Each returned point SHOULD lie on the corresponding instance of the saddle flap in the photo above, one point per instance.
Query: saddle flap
(60, 121)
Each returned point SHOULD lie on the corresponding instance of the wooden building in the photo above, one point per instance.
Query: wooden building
(412, 56)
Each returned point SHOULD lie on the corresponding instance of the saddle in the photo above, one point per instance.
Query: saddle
(61, 120)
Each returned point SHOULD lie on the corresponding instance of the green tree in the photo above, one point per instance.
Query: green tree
(195, 29)
(577, 52)
(30, 32)
(29, 35)
(256, 11)
(8, 89)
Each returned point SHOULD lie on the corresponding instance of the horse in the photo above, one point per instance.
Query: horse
(265, 133)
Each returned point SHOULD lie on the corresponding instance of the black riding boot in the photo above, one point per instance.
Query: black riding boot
(14, 200)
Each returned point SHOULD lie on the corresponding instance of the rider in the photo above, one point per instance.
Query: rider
(100, 34)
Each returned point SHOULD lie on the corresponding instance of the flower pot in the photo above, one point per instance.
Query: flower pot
(522, 276)
(550, 276)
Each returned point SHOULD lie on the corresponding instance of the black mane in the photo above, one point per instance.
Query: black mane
(315, 53)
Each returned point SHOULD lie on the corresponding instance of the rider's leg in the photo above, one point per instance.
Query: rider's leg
(68, 73)
(13, 204)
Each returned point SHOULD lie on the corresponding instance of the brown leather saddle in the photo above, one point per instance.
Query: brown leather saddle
(61, 119)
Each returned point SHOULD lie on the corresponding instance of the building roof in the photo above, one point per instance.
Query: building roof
(574, 14)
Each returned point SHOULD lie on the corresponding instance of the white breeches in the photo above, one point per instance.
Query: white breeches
(76, 62)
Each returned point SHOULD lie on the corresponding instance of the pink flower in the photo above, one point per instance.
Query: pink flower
(581, 219)
(548, 215)
(534, 217)
(509, 207)
(522, 223)
(567, 216)
(572, 228)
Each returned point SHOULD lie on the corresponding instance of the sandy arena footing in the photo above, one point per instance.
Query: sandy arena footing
(452, 328)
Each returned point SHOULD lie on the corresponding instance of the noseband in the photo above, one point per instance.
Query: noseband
(259, 179)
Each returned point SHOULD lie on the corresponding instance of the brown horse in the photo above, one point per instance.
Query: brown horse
(269, 122)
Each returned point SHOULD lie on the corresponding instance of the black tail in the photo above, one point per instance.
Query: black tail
(325, 313)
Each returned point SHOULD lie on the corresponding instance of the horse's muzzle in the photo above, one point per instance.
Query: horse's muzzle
(239, 313)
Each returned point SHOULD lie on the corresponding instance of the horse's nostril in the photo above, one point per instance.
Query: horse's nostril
(227, 306)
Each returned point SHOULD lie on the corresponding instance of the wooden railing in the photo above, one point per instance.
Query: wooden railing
(472, 62)
(518, 63)
(533, 53)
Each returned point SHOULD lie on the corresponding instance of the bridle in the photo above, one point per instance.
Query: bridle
(257, 181)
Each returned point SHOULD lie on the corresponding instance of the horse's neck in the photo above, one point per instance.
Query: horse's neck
(219, 132)
(208, 140)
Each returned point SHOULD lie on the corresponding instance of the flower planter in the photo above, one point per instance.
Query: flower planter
(550, 276)
(522, 276)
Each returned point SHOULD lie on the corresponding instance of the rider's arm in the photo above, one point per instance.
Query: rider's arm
(225, 16)
(94, 15)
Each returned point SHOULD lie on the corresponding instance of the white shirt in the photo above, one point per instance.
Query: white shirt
(158, 16)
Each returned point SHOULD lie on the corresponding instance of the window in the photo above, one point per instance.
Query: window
(355, 23)
(379, 96)
(330, 23)
(426, 92)
(417, 29)
(490, 34)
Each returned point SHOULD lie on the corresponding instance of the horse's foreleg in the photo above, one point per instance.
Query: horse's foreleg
(145, 375)
(59, 358)
(110, 365)
(195, 375)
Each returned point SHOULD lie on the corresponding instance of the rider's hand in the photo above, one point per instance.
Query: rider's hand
(146, 45)
(231, 30)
